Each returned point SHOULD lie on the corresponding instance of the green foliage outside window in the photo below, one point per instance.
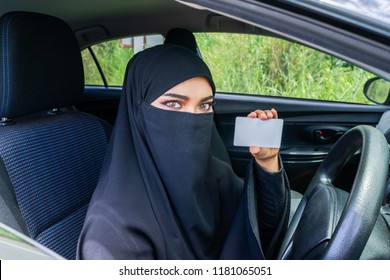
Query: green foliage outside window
(113, 60)
(269, 66)
(252, 64)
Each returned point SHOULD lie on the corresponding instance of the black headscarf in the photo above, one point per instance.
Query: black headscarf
(161, 194)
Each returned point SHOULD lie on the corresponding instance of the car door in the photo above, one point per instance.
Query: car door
(312, 123)
(310, 130)
(318, 96)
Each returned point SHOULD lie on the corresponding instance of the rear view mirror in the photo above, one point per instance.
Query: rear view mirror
(377, 90)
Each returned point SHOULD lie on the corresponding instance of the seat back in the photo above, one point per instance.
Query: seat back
(50, 154)
(384, 127)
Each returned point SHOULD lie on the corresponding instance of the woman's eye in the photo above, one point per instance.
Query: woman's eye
(173, 104)
(205, 106)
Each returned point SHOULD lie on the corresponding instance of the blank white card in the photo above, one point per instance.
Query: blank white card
(255, 132)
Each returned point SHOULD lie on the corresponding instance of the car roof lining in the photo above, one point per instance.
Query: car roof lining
(211, 23)
(129, 18)
(94, 21)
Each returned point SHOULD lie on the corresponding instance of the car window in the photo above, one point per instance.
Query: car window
(253, 64)
(245, 64)
(112, 58)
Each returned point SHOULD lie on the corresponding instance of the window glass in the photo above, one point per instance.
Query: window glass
(113, 57)
(91, 72)
(254, 64)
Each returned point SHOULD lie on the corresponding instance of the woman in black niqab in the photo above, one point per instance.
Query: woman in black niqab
(161, 193)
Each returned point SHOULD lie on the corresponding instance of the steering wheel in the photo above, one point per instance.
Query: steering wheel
(330, 223)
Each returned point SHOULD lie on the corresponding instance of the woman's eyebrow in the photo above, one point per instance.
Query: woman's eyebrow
(207, 98)
(185, 98)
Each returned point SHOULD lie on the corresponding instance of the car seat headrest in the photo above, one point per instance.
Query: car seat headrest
(184, 38)
(41, 64)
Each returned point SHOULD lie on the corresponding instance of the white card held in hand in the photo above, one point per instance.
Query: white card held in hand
(255, 132)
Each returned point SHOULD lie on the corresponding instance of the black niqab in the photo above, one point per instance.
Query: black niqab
(161, 194)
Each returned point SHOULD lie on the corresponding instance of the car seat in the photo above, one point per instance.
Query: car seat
(50, 154)
(384, 127)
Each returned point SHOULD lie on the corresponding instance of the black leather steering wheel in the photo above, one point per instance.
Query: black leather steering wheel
(330, 223)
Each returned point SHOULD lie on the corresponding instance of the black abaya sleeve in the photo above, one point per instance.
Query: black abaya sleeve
(273, 206)
(261, 213)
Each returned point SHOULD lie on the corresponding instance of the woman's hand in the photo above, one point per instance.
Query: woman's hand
(266, 157)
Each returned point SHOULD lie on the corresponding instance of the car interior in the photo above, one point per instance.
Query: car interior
(51, 152)
(55, 130)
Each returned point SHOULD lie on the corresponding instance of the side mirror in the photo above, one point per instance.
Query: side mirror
(377, 90)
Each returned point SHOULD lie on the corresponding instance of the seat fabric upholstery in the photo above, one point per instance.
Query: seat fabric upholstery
(54, 164)
(52, 154)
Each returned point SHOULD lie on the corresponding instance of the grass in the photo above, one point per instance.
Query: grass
(269, 66)
(254, 64)
(112, 59)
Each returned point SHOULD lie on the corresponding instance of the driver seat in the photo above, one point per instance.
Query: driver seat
(50, 154)
(384, 127)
